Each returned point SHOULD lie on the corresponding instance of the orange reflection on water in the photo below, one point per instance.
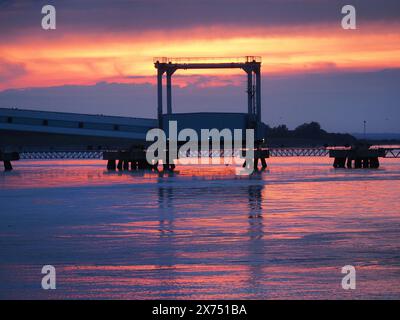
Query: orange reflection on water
(68, 173)
(283, 233)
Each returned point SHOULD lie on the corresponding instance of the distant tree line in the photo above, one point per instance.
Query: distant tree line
(309, 131)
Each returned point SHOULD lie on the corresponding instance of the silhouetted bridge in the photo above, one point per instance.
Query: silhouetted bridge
(28, 134)
(392, 153)
(273, 152)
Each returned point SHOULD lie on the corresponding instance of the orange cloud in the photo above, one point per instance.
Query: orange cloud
(87, 58)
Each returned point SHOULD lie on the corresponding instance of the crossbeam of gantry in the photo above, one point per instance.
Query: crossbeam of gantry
(252, 68)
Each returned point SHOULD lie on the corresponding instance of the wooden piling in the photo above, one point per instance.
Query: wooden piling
(365, 163)
(119, 166)
(374, 163)
(358, 163)
(349, 163)
(126, 165)
(111, 165)
(263, 163)
(7, 165)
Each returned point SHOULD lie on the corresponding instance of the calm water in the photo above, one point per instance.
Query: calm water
(202, 233)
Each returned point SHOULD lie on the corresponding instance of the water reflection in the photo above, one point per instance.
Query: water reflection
(256, 244)
(166, 239)
(200, 233)
(165, 199)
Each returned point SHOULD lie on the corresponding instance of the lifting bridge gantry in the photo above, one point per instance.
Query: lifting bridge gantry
(250, 64)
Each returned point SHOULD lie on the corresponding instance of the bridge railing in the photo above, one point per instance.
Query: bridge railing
(184, 60)
(298, 152)
(392, 153)
(61, 155)
(273, 152)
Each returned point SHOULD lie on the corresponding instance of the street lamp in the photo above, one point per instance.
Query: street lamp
(365, 130)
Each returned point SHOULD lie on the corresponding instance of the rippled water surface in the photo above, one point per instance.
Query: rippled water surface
(200, 233)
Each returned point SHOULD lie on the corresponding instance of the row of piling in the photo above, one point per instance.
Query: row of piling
(136, 160)
(133, 160)
(357, 163)
(357, 157)
(133, 165)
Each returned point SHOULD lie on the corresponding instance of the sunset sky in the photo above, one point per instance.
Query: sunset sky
(99, 59)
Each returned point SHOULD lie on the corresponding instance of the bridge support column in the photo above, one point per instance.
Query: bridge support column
(250, 94)
(154, 166)
(141, 165)
(160, 96)
(374, 163)
(169, 91)
(336, 163)
(119, 166)
(358, 163)
(169, 164)
(365, 163)
(111, 165)
(168, 167)
(258, 94)
(126, 165)
(339, 163)
(263, 163)
(256, 164)
(349, 163)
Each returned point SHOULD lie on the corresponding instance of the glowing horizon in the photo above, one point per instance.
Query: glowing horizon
(82, 59)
